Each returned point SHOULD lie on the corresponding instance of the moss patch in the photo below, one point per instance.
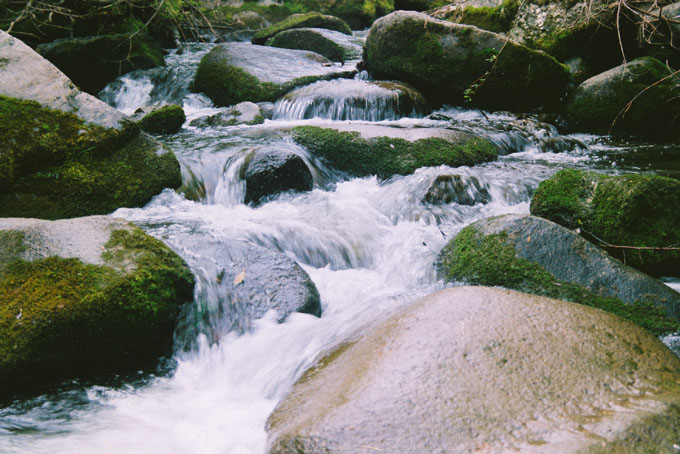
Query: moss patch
(308, 20)
(384, 156)
(166, 120)
(498, 19)
(627, 210)
(55, 166)
(358, 14)
(63, 318)
(490, 260)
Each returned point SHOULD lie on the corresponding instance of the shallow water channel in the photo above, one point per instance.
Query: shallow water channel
(368, 245)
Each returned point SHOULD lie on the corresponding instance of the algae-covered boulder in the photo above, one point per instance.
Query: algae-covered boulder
(642, 211)
(164, 120)
(269, 171)
(234, 72)
(362, 150)
(307, 20)
(486, 370)
(84, 297)
(93, 62)
(453, 63)
(638, 97)
(323, 42)
(53, 165)
(26, 75)
(537, 256)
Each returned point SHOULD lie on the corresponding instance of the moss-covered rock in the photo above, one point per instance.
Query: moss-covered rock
(93, 62)
(497, 17)
(453, 63)
(475, 369)
(234, 72)
(164, 120)
(307, 20)
(359, 14)
(312, 40)
(636, 98)
(385, 156)
(627, 210)
(537, 256)
(52, 165)
(84, 297)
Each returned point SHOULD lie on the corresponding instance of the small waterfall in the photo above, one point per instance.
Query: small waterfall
(352, 99)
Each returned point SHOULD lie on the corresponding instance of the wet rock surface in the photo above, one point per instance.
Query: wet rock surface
(269, 171)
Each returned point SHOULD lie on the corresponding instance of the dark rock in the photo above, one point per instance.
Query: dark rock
(630, 99)
(84, 297)
(163, 120)
(269, 171)
(307, 20)
(537, 256)
(452, 63)
(93, 62)
(626, 210)
(453, 189)
(659, 34)
(488, 370)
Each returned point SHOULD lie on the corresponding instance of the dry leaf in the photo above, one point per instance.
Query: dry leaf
(240, 277)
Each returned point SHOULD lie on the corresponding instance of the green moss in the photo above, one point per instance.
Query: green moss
(59, 167)
(490, 260)
(358, 14)
(62, 318)
(498, 19)
(11, 246)
(627, 210)
(308, 20)
(166, 120)
(384, 156)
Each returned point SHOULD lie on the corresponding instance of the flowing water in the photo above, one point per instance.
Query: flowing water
(368, 245)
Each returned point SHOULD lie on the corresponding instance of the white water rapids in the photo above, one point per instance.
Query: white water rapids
(368, 245)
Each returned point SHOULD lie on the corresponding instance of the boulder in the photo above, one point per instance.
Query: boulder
(269, 171)
(537, 256)
(307, 20)
(492, 15)
(454, 188)
(26, 75)
(365, 149)
(94, 61)
(53, 165)
(635, 98)
(163, 120)
(323, 42)
(659, 34)
(238, 283)
(84, 297)
(453, 63)
(234, 72)
(243, 113)
(359, 14)
(626, 210)
(474, 369)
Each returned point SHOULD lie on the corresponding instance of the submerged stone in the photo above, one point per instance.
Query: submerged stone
(269, 171)
(84, 298)
(537, 256)
(472, 369)
(455, 189)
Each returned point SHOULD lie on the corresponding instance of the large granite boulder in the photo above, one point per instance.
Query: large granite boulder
(474, 369)
(641, 97)
(453, 63)
(93, 62)
(26, 75)
(269, 171)
(537, 256)
(641, 211)
(53, 165)
(331, 44)
(83, 297)
(365, 149)
(234, 72)
(307, 20)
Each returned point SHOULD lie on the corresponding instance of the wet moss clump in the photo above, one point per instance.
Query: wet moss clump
(385, 156)
(53, 165)
(626, 210)
(491, 261)
(166, 120)
(307, 20)
(62, 318)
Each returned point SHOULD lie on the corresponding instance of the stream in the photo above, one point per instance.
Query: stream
(368, 245)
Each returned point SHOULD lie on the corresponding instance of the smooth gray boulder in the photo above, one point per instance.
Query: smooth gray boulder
(334, 45)
(475, 369)
(269, 171)
(453, 63)
(26, 75)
